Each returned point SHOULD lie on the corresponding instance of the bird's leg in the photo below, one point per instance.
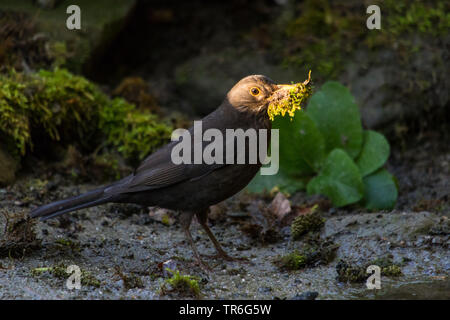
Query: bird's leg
(185, 221)
(203, 220)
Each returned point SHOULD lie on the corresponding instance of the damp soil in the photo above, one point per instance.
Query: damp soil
(123, 247)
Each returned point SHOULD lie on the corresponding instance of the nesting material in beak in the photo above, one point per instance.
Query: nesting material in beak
(289, 98)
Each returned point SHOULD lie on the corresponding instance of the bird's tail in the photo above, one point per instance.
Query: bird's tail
(85, 200)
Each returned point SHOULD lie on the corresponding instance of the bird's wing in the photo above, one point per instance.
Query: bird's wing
(158, 171)
(168, 174)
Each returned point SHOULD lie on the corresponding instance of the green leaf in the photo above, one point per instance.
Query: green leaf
(281, 180)
(302, 146)
(374, 153)
(339, 179)
(337, 116)
(380, 190)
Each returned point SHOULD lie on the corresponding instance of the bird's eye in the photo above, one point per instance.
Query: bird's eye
(255, 91)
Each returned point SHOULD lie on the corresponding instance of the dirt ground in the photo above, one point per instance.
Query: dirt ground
(123, 246)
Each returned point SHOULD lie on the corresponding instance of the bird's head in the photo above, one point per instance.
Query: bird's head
(260, 95)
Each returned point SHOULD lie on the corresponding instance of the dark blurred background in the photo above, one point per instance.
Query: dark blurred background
(191, 52)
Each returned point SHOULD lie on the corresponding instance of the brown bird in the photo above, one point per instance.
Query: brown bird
(190, 188)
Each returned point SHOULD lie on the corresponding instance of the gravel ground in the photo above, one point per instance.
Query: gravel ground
(123, 246)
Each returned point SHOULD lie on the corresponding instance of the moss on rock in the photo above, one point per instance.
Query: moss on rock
(354, 273)
(54, 105)
(314, 253)
(308, 222)
(135, 90)
(60, 271)
(134, 133)
(293, 261)
(59, 107)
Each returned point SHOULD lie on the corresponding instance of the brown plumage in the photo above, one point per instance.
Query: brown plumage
(189, 188)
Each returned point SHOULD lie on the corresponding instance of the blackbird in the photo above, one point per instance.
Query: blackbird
(190, 188)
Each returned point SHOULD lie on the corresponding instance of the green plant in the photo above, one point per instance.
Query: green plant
(325, 151)
(182, 284)
(354, 273)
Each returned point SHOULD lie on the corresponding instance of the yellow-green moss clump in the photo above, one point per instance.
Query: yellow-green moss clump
(134, 133)
(423, 18)
(313, 253)
(353, 273)
(55, 104)
(59, 107)
(184, 285)
(350, 273)
(304, 223)
(293, 261)
(290, 100)
(388, 267)
(60, 271)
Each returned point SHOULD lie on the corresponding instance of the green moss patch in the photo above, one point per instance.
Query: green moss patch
(305, 223)
(60, 271)
(64, 109)
(183, 285)
(314, 253)
(355, 273)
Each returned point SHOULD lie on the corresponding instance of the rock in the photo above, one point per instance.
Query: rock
(8, 168)
(168, 267)
(389, 91)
